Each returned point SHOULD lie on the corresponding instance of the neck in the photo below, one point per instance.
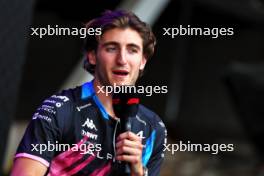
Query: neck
(105, 99)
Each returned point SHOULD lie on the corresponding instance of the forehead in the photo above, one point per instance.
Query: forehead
(122, 36)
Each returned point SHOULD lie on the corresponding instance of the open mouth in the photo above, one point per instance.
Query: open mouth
(120, 72)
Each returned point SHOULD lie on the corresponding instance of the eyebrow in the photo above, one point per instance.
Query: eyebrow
(116, 44)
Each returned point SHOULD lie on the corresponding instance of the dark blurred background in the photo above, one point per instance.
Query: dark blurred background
(215, 86)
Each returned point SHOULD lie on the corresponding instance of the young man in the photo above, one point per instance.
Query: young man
(83, 118)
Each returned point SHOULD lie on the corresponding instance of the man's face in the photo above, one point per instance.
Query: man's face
(119, 57)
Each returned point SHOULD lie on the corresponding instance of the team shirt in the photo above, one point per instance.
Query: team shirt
(72, 134)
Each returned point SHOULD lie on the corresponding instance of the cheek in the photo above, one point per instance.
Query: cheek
(102, 60)
(135, 69)
(107, 59)
(136, 64)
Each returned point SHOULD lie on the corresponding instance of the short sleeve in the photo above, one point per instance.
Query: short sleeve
(44, 131)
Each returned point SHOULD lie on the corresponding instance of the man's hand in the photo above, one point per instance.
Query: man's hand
(129, 149)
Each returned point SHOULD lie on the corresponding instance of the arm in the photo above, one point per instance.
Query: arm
(44, 128)
(28, 167)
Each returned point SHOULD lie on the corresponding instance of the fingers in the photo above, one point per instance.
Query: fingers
(129, 158)
(129, 147)
(129, 135)
(128, 151)
(128, 143)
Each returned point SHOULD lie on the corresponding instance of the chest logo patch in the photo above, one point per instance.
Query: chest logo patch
(89, 124)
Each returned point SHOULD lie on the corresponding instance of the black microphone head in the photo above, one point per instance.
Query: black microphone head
(125, 104)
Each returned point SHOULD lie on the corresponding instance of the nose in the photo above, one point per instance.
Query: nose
(121, 57)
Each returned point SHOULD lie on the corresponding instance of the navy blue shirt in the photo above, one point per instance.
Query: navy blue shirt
(72, 134)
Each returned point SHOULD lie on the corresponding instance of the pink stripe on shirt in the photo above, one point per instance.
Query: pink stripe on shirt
(37, 158)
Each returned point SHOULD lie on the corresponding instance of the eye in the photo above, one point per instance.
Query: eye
(110, 48)
(132, 50)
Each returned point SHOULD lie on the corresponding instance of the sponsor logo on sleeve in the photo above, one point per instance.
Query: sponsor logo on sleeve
(39, 116)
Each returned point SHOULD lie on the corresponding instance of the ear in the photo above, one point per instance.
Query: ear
(143, 63)
(91, 57)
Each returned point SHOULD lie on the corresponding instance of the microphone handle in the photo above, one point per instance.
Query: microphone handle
(126, 126)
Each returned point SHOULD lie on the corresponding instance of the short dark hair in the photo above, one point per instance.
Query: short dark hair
(118, 19)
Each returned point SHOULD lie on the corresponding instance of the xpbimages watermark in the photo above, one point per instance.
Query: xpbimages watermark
(64, 31)
(147, 90)
(51, 147)
(190, 147)
(183, 30)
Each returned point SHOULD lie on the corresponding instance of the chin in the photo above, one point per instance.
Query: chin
(120, 82)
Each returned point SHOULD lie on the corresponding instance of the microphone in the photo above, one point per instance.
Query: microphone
(125, 106)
